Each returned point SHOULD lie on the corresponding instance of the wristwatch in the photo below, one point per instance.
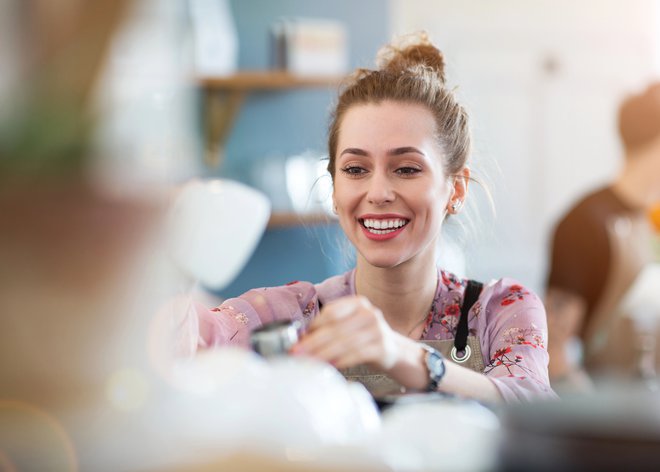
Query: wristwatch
(435, 364)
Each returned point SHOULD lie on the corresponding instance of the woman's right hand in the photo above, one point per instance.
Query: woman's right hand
(350, 331)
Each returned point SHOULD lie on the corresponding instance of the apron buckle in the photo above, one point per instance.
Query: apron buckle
(466, 354)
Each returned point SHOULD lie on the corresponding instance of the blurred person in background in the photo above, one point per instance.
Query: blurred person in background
(399, 145)
(599, 248)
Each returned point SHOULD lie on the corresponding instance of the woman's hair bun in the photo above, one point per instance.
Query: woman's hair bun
(409, 52)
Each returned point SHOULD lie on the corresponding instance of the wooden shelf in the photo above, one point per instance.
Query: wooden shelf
(287, 220)
(266, 80)
(224, 97)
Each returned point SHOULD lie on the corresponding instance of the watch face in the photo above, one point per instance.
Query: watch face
(436, 365)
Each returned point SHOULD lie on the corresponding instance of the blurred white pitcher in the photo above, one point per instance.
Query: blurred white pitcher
(216, 225)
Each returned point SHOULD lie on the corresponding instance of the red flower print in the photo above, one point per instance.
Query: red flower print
(516, 293)
(501, 352)
(309, 309)
(449, 279)
(452, 310)
(449, 321)
(522, 336)
(507, 357)
(500, 359)
(220, 308)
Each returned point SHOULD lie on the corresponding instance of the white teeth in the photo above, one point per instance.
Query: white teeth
(383, 226)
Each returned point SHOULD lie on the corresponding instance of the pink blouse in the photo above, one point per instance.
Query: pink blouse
(508, 319)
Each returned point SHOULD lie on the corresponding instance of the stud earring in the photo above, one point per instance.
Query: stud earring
(456, 205)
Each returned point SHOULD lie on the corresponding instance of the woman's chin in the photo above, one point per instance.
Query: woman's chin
(383, 261)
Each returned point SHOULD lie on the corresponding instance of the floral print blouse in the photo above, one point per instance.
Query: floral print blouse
(508, 319)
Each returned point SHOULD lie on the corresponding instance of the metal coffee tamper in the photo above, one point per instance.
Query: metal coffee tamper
(275, 338)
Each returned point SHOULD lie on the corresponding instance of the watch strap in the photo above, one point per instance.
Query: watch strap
(435, 365)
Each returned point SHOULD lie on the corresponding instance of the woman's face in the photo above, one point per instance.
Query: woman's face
(390, 190)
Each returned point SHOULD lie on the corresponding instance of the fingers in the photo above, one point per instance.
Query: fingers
(340, 311)
(357, 346)
(348, 331)
(366, 354)
(317, 339)
(337, 321)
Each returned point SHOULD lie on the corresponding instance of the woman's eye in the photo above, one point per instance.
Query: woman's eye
(407, 170)
(353, 170)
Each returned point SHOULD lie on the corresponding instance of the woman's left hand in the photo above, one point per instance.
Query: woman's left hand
(350, 331)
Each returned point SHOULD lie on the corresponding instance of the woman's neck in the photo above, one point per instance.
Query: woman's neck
(403, 293)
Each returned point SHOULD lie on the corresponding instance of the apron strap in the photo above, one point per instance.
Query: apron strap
(472, 292)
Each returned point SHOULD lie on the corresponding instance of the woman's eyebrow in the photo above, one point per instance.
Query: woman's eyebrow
(355, 151)
(405, 150)
(392, 152)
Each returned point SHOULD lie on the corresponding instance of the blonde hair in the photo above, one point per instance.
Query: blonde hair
(410, 70)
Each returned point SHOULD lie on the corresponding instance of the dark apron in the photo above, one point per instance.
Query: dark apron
(463, 349)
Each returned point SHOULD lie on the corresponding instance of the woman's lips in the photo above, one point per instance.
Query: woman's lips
(381, 229)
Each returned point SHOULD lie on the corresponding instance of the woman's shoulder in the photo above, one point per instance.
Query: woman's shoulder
(508, 289)
(507, 295)
(336, 287)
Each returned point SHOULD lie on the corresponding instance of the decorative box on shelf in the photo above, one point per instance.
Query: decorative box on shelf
(310, 46)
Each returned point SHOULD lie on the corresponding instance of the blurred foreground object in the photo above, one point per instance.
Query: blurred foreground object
(81, 265)
(612, 430)
(46, 120)
(436, 434)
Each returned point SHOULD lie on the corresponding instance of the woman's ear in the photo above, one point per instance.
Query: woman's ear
(459, 190)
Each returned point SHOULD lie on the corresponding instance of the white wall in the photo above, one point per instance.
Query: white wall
(542, 81)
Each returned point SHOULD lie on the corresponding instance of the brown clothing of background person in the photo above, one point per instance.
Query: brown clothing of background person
(598, 248)
(581, 235)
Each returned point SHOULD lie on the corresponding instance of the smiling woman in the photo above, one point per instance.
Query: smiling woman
(399, 144)
(390, 175)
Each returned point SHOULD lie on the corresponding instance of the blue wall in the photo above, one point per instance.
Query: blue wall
(287, 122)
(284, 123)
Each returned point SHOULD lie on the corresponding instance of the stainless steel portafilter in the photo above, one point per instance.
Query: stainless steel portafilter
(275, 338)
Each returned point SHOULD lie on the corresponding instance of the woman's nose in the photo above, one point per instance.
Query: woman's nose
(380, 189)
